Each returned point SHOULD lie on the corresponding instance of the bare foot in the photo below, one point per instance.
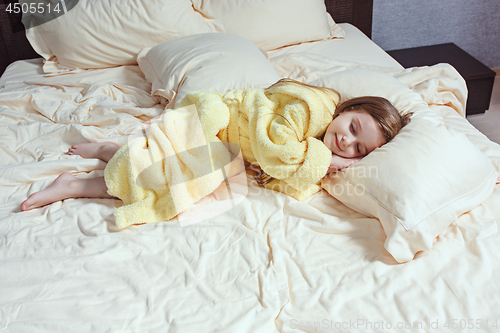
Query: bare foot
(67, 186)
(59, 190)
(101, 150)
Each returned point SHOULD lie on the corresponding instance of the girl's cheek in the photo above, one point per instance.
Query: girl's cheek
(331, 143)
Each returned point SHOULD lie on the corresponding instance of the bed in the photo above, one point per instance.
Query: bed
(416, 258)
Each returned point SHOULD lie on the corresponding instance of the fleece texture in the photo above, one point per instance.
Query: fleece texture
(184, 155)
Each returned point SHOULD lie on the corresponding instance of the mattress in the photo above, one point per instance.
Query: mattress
(270, 264)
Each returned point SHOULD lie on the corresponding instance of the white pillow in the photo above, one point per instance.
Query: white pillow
(214, 62)
(417, 184)
(108, 33)
(359, 82)
(271, 24)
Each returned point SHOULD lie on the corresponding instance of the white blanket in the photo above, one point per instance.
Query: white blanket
(271, 264)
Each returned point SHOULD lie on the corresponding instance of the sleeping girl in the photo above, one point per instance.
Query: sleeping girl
(295, 133)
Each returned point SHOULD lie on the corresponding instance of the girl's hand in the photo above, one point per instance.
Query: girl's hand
(337, 163)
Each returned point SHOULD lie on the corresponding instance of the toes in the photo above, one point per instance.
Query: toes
(26, 205)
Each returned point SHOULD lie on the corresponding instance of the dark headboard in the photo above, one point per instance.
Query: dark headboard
(14, 45)
(357, 12)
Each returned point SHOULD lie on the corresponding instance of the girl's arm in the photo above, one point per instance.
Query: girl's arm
(337, 163)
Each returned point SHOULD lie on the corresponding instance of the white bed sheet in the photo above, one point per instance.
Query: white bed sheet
(273, 264)
(356, 47)
(31, 71)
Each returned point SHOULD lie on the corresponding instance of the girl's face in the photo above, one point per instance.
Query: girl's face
(353, 134)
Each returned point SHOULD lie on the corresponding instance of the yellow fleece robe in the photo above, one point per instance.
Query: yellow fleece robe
(159, 175)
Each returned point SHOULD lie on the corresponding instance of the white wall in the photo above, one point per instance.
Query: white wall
(473, 25)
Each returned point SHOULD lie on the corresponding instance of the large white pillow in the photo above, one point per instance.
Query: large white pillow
(108, 33)
(417, 184)
(271, 24)
(216, 62)
(357, 82)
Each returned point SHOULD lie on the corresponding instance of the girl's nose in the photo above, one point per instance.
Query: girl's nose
(347, 140)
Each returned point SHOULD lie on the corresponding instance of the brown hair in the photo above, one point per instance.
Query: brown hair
(384, 113)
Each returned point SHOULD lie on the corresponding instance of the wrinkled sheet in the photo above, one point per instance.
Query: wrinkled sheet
(270, 264)
(355, 47)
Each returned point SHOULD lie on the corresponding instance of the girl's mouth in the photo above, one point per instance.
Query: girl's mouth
(337, 142)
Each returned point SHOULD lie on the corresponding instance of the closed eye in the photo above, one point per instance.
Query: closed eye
(352, 128)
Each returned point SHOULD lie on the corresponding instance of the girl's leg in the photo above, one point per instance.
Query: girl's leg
(67, 186)
(101, 150)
